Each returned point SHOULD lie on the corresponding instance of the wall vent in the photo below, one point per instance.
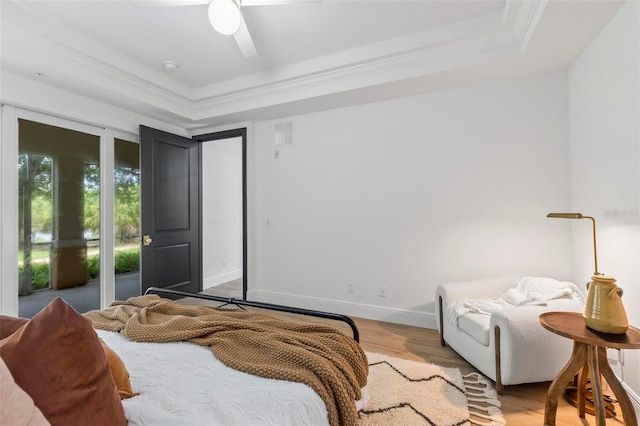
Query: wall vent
(283, 134)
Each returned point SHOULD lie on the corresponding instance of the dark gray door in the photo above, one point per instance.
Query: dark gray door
(170, 206)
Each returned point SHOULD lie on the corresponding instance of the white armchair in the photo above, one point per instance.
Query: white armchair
(508, 346)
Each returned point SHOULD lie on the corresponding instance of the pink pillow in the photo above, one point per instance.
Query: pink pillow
(17, 407)
(59, 361)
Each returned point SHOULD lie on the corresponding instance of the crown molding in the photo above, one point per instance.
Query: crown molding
(98, 71)
(61, 62)
(527, 20)
(355, 76)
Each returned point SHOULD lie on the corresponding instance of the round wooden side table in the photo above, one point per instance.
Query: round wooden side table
(589, 353)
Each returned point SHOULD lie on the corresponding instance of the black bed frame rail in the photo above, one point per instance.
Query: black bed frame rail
(241, 302)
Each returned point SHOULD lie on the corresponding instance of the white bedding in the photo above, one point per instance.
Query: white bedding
(182, 384)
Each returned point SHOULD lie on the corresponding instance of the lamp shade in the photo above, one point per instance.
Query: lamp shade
(225, 16)
(567, 215)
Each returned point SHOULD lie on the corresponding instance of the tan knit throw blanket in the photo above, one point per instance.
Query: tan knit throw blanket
(321, 357)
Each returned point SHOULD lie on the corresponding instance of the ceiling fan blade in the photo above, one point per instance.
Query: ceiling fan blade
(244, 41)
(275, 2)
(166, 3)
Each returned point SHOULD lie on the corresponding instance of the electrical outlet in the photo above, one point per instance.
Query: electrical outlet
(350, 287)
(382, 291)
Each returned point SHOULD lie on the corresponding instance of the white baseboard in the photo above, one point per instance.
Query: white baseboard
(635, 400)
(221, 279)
(378, 313)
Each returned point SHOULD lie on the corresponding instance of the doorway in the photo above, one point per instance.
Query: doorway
(223, 213)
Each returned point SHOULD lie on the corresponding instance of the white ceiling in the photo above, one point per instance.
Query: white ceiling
(310, 55)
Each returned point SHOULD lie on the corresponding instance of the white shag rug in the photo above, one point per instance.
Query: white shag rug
(403, 392)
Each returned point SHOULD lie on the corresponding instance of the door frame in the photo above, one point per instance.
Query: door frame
(228, 134)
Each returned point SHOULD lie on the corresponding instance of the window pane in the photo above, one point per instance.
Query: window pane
(59, 210)
(127, 219)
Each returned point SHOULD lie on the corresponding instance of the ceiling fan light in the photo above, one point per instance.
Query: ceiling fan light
(225, 16)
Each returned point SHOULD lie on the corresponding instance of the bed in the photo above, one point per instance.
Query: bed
(171, 380)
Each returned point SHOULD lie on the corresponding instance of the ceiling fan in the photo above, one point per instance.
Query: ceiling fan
(225, 16)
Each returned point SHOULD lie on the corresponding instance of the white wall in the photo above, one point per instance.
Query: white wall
(605, 162)
(411, 193)
(221, 211)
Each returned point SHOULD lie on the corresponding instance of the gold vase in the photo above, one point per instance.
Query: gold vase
(603, 310)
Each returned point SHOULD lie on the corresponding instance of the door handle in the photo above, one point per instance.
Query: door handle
(146, 240)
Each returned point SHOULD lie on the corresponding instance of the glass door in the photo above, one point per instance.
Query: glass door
(58, 217)
(70, 212)
(127, 218)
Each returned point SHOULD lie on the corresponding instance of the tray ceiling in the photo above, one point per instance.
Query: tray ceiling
(310, 55)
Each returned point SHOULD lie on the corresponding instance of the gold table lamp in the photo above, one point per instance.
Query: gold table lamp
(603, 309)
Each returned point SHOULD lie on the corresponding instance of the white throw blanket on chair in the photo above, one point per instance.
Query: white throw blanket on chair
(528, 291)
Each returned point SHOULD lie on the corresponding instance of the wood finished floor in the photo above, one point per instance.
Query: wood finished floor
(522, 405)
